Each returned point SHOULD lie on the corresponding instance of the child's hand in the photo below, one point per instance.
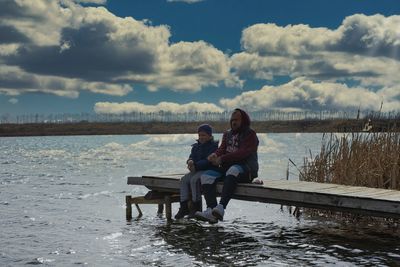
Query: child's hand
(190, 166)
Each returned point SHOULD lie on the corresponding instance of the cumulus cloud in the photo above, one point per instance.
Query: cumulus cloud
(129, 107)
(363, 48)
(65, 40)
(304, 94)
(300, 94)
(189, 66)
(369, 35)
(375, 35)
(14, 81)
(61, 47)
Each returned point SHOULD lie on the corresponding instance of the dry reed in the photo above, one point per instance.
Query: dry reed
(358, 159)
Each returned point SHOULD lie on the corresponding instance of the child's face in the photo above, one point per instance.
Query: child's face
(204, 137)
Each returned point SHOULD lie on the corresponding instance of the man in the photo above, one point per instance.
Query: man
(237, 160)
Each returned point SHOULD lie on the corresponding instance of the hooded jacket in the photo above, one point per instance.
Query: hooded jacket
(240, 147)
(200, 152)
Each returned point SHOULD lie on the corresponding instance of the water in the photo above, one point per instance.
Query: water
(62, 204)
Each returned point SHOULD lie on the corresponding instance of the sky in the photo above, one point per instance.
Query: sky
(121, 56)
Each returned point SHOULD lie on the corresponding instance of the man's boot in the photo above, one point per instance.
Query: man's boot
(183, 210)
(196, 206)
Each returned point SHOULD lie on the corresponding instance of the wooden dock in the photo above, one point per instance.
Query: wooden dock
(354, 199)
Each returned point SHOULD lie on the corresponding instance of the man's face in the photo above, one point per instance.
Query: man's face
(204, 137)
(236, 120)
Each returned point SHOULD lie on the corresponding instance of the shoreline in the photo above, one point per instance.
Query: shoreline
(128, 128)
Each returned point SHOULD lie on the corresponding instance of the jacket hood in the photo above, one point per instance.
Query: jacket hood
(245, 120)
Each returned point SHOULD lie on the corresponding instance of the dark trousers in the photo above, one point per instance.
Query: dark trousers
(230, 183)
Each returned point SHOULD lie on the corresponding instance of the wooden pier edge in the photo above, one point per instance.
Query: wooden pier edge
(166, 199)
(358, 200)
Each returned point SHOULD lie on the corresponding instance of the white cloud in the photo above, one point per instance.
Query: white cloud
(294, 40)
(304, 94)
(391, 97)
(189, 66)
(8, 49)
(92, 45)
(363, 48)
(371, 35)
(359, 34)
(40, 20)
(128, 107)
(15, 81)
(61, 47)
(13, 100)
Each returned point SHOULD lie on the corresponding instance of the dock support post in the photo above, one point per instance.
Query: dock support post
(168, 208)
(128, 208)
(139, 210)
(160, 209)
(166, 199)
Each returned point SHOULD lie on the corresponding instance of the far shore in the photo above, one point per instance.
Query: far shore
(127, 128)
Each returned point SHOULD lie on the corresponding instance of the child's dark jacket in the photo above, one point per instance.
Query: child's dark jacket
(200, 152)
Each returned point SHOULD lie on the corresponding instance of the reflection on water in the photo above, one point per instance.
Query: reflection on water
(242, 243)
(213, 244)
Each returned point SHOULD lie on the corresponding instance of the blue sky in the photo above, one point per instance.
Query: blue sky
(122, 56)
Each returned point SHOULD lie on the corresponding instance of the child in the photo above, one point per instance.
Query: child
(197, 163)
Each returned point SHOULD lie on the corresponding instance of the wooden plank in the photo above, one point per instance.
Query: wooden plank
(346, 191)
(299, 186)
(393, 196)
(135, 180)
(381, 193)
(172, 184)
(362, 200)
(317, 200)
(165, 184)
(365, 192)
(142, 200)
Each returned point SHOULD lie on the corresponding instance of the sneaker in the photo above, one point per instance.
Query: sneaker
(206, 216)
(218, 212)
(183, 211)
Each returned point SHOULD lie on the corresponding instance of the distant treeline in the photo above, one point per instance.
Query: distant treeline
(193, 116)
(116, 128)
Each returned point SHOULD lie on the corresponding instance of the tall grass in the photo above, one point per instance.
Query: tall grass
(357, 159)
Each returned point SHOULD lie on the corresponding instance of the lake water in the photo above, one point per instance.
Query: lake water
(62, 203)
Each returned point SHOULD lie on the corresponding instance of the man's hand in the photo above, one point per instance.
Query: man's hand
(214, 159)
(190, 166)
(217, 161)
